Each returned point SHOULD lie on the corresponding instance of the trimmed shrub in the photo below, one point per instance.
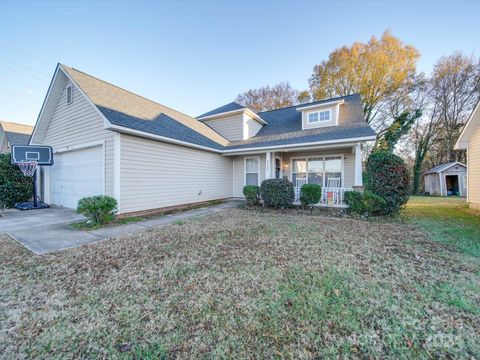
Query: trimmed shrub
(14, 187)
(99, 210)
(373, 203)
(388, 177)
(277, 193)
(354, 200)
(310, 194)
(366, 204)
(252, 194)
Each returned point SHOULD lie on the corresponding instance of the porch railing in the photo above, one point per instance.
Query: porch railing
(330, 196)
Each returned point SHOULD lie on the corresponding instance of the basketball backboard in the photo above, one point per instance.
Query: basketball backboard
(42, 155)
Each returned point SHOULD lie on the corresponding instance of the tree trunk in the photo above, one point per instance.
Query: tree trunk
(417, 172)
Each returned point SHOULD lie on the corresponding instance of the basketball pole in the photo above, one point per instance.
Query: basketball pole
(34, 177)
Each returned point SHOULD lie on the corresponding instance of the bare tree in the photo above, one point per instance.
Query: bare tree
(270, 98)
(455, 89)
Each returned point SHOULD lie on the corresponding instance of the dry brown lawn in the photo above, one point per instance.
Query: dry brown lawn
(244, 284)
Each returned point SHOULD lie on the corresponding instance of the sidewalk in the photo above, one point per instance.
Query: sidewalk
(46, 237)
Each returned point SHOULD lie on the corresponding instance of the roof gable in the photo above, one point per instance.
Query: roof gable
(16, 138)
(223, 109)
(439, 168)
(135, 109)
(17, 128)
(471, 126)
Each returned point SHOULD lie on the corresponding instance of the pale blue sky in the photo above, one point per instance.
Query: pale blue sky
(198, 55)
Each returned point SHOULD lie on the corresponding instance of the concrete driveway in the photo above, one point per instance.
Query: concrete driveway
(47, 230)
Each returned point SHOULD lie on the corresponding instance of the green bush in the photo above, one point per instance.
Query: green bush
(373, 203)
(252, 194)
(99, 210)
(310, 194)
(14, 187)
(354, 200)
(388, 177)
(368, 203)
(277, 193)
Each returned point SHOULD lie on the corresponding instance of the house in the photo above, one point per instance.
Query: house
(447, 179)
(469, 140)
(107, 140)
(13, 134)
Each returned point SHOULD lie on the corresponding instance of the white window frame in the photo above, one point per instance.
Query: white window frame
(245, 169)
(318, 112)
(342, 159)
(71, 94)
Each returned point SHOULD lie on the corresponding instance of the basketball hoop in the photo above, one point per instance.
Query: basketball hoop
(28, 167)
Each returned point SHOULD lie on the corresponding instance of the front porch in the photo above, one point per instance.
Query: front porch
(331, 196)
(336, 169)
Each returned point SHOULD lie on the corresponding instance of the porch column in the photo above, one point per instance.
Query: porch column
(358, 166)
(268, 165)
(272, 167)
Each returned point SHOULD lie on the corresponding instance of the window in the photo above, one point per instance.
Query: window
(299, 172)
(317, 116)
(322, 170)
(252, 171)
(333, 171)
(69, 94)
(315, 171)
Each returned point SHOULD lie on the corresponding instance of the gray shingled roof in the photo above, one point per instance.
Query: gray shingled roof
(16, 138)
(125, 109)
(162, 125)
(222, 109)
(329, 133)
(440, 168)
(285, 126)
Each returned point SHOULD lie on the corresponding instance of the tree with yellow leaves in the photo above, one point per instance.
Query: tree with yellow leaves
(381, 71)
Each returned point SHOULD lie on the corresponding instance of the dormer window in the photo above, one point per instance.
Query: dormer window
(317, 116)
(69, 94)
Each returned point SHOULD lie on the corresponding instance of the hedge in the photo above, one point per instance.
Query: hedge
(277, 193)
(310, 194)
(252, 194)
(388, 177)
(14, 186)
(99, 209)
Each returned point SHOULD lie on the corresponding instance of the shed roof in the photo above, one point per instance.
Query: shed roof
(439, 168)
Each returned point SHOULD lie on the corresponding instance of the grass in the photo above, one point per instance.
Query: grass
(448, 220)
(244, 284)
(85, 225)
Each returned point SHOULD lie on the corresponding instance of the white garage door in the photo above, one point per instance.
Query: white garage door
(76, 174)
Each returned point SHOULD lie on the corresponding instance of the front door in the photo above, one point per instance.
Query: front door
(278, 168)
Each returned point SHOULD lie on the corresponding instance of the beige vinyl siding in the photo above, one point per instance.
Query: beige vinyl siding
(230, 127)
(155, 174)
(239, 172)
(473, 163)
(252, 127)
(348, 162)
(76, 124)
(3, 142)
(432, 184)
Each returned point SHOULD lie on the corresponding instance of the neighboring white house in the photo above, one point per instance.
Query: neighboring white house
(13, 134)
(447, 180)
(107, 140)
(470, 140)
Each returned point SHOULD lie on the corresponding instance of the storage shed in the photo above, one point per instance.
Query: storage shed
(447, 180)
